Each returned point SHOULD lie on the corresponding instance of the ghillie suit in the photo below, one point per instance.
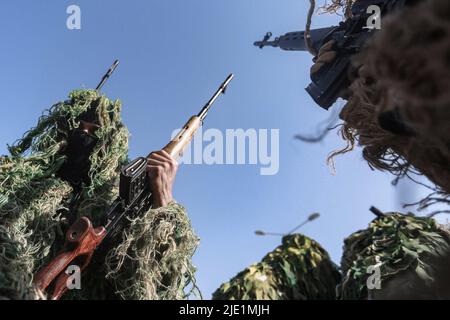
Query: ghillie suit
(338, 6)
(152, 260)
(299, 269)
(399, 109)
(397, 257)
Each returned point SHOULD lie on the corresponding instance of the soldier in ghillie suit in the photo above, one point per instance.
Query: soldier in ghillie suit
(299, 269)
(397, 257)
(399, 103)
(67, 167)
(398, 110)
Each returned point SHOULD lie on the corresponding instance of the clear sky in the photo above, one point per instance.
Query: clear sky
(174, 54)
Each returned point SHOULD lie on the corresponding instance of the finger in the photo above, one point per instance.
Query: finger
(327, 57)
(155, 162)
(326, 47)
(159, 157)
(364, 71)
(162, 154)
(165, 157)
(166, 163)
(166, 154)
(316, 67)
(154, 170)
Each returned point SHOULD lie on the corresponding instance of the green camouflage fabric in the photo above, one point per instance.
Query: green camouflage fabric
(299, 269)
(152, 260)
(408, 254)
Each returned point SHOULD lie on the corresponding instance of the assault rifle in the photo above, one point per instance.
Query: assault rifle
(349, 36)
(135, 198)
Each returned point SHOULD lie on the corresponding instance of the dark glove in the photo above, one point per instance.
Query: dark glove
(326, 55)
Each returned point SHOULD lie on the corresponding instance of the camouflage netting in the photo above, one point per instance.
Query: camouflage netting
(299, 269)
(338, 6)
(406, 69)
(153, 260)
(160, 248)
(412, 254)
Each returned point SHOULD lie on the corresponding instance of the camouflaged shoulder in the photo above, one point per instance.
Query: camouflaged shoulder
(392, 246)
(298, 269)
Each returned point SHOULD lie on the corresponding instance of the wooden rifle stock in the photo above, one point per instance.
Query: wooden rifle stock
(81, 241)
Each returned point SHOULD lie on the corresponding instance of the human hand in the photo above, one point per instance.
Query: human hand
(326, 55)
(162, 170)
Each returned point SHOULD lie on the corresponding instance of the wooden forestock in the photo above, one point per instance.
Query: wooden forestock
(176, 147)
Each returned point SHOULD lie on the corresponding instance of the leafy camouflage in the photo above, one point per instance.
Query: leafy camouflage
(152, 260)
(405, 248)
(299, 269)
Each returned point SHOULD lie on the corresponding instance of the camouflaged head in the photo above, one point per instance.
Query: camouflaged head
(46, 142)
(153, 257)
(397, 257)
(399, 108)
(34, 201)
(299, 269)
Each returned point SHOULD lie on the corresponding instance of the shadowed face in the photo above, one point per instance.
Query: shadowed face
(89, 127)
(80, 144)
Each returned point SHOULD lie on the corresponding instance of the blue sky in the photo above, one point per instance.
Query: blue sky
(173, 55)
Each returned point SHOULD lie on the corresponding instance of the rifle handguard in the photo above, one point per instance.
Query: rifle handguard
(176, 147)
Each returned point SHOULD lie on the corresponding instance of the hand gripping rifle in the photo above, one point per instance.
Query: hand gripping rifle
(83, 240)
(350, 36)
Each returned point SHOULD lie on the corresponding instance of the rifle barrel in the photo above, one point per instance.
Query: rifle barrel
(107, 75)
(221, 90)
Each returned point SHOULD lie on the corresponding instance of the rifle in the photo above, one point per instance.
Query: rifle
(83, 240)
(107, 75)
(350, 36)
